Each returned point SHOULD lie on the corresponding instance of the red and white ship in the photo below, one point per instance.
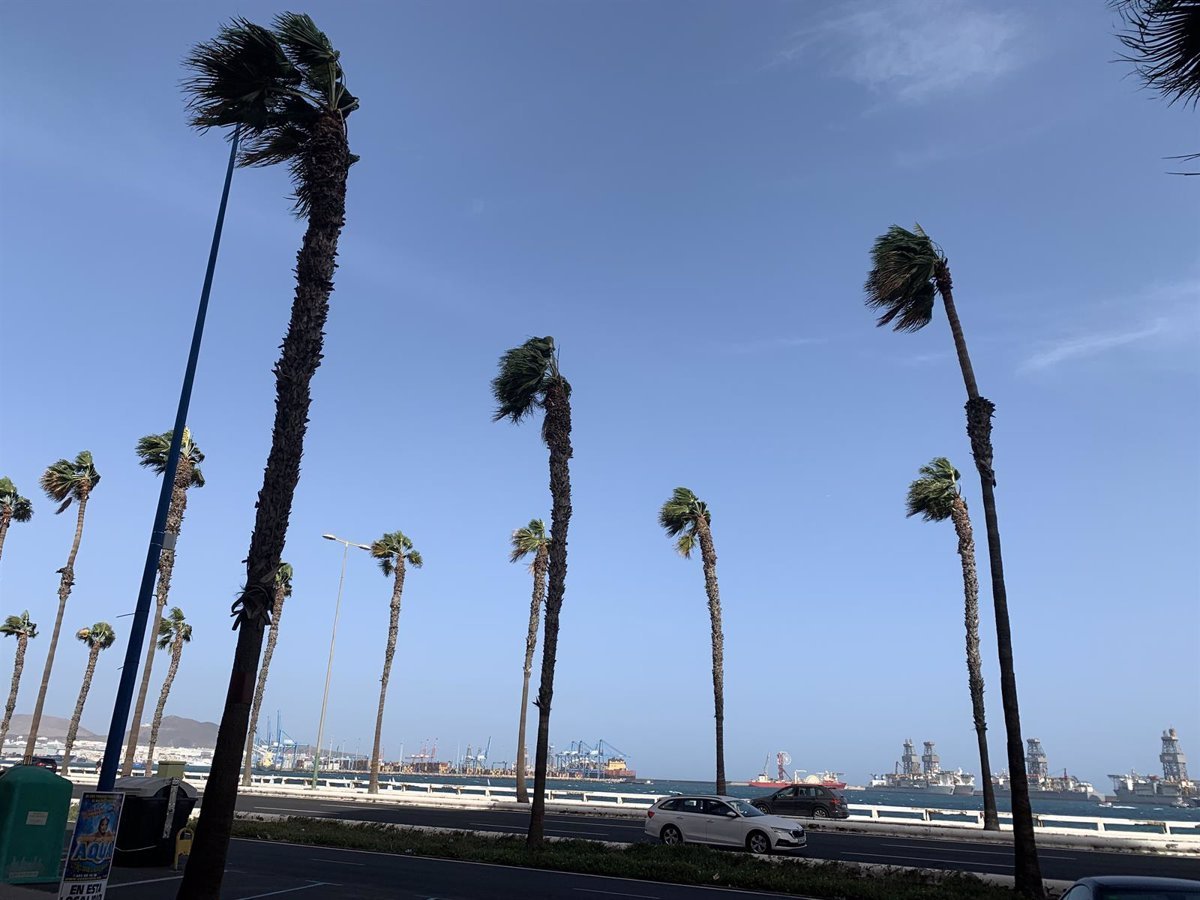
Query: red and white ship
(782, 760)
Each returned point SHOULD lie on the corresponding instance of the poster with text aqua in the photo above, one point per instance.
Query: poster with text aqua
(90, 857)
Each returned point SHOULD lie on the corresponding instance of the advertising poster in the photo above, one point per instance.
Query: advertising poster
(93, 846)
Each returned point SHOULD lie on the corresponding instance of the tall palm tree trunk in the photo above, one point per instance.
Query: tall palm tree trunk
(393, 630)
(966, 552)
(5, 520)
(708, 555)
(1026, 868)
(556, 430)
(535, 608)
(73, 729)
(166, 565)
(176, 653)
(65, 583)
(18, 668)
(325, 170)
(260, 690)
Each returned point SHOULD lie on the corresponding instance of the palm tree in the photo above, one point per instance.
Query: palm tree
(152, 451)
(909, 271)
(13, 508)
(283, 590)
(64, 482)
(22, 629)
(173, 632)
(529, 379)
(394, 551)
(530, 540)
(285, 91)
(935, 497)
(99, 637)
(1163, 39)
(686, 517)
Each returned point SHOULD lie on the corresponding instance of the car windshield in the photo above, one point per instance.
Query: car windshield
(744, 809)
(1149, 893)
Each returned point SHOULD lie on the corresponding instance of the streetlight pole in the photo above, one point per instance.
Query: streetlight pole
(346, 545)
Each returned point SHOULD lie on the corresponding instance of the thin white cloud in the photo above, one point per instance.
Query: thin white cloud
(1090, 345)
(913, 50)
(1169, 320)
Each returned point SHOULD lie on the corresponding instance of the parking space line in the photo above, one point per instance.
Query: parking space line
(616, 893)
(303, 887)
(112, 885)
(926, 859)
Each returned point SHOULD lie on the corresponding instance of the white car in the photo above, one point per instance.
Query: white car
(723, 821)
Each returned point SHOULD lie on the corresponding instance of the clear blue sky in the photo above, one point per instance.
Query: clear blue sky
(686, 201)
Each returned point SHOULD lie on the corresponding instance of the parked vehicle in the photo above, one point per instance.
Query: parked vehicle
(812, 800)
(1132, 887)
(724, 822)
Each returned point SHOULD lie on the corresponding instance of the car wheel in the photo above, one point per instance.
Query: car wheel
(757, 842)
(763, 808)
(820, 812)
(671, 835)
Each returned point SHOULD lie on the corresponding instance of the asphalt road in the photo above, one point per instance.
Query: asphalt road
(260, 869)
(895, 850)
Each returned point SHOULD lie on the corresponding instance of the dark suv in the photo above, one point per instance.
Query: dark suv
(813, 800)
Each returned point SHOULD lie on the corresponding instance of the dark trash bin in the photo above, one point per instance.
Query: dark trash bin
(154, 811)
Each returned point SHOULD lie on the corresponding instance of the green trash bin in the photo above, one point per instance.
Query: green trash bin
(171, 768)
(33, 822)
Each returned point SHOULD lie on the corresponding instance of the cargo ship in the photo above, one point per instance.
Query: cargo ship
(924, 775)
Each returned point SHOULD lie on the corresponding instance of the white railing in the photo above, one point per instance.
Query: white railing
(632, 804)
(974, 819)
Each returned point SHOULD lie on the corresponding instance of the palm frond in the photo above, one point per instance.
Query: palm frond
(66, 480)
(153, 450)
(238, 78)
(528, 540)
(933, 494)
(21, 508)
(14, 626)
(415, 559)
(283, 578)
(391, 548)
(683, 509)
(902, 278)
(173, 627)
(1163, 37)
(99, 635)
(519, 386)
(312, 53)
(686, 542)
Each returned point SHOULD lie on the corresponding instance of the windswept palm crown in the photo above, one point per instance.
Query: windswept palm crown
(906, 272)
(526, 373)
(391, 548)
(933, 494)
(1163, 37)
(153, 449)
(283, 579)
(679, 516)
(276, 85)
(16, 626)
(173, 626)
(99, 635)
(529, 540)
(11, 501)
(70, 480)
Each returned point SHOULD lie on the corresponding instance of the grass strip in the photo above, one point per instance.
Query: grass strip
(648, 862)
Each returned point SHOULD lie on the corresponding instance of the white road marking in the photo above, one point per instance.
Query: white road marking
(976, 852)
(303, 887)
(924, 859)
(113, 887)
(616, 893)
(338, 862)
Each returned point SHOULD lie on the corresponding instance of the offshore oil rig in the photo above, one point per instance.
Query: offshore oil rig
(1174, 788)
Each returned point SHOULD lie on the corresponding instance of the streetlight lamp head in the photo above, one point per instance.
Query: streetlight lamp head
(329, 537)
(363, 546)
